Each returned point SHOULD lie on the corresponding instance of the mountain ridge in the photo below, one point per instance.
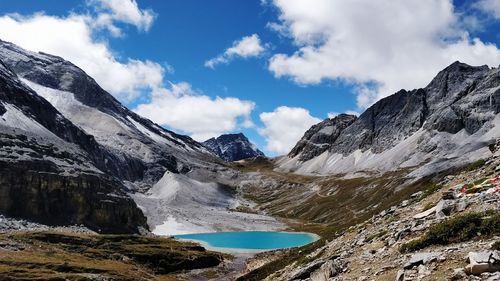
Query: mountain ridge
(461, 99)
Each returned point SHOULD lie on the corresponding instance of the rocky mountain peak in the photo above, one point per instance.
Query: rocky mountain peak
(232, 147)
(316, 140)
(455, 112)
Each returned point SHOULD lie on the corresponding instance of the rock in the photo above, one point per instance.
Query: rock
(458, 274)
(462, 204)
(422, 258)
(480, 262)
(405, 203)
(328, 269)
(417, 195)
(494, 277)
(444, 208)
(425, 213)
(423, 270)
(400, 276)
(449, 195)
(306, 271)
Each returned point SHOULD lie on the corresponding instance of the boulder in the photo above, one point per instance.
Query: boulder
(328, 269)
(425, 213)
(444, 208)
(481, 262)
(422, 258)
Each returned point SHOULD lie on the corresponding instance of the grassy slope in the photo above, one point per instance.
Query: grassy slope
(60, 256)
(333, 205)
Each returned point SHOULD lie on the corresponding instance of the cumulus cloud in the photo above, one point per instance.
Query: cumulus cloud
(246, 47)
(126, 11)
(284, 127)
(72, 38)
(202, 117)
(379, 46)
(491, 7)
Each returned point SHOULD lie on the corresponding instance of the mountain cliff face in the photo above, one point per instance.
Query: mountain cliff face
(51, 171)
(454, 118)
(232, 147)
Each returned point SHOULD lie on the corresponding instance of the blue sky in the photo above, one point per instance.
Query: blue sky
(282, 94)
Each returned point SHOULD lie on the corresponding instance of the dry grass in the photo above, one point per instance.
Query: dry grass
(60, 256)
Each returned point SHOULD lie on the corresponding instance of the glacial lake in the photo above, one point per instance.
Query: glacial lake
(251, 240)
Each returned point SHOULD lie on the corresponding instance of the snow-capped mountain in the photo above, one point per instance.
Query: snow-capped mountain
(233, 147)
(448, 123)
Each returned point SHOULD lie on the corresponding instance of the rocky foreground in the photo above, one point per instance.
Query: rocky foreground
(450, 231)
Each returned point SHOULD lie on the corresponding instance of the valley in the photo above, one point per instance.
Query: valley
(90, 190)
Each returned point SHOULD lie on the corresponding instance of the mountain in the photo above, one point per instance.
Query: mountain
(53, 172)
(72, 154)
(448, 123)
(233, 147)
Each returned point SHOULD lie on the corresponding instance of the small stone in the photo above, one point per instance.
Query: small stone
(400, 276)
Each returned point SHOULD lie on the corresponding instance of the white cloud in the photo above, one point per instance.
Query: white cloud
(72, 38)
(202, 117)
(246, 47)
(126, 11)
(386, 43)
(491, 7)
(284, 127)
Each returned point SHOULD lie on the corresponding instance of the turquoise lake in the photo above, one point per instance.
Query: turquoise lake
(251, 240)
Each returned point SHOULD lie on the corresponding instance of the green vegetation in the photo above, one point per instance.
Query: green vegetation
(475, 165)
(376, 235)
(431, 189)
(428, 206)
(68, 256)
(458, 229)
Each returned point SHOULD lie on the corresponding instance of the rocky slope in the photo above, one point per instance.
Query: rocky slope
(448, 231)
(450, 121)
(233, 147)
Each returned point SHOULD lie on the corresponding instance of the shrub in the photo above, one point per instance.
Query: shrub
(458, 229)
(475, 165)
